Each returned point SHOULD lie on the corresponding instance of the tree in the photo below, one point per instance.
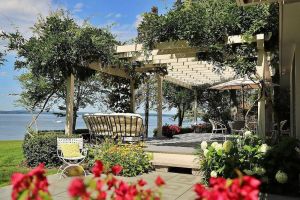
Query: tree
(207, 24)
(179, 98)
(1, 58)
(59, 47)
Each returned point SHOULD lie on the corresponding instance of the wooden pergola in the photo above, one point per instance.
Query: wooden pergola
(182, 64)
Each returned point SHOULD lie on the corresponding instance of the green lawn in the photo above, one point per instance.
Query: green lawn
(11, 158)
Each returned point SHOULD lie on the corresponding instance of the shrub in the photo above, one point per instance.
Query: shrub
(220, 159)
(42, 148)
(276, 166)
(131, 157)
(203, 128)
(170, 130)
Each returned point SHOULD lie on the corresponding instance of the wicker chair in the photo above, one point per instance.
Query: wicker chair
(70, 161)
(127, 126)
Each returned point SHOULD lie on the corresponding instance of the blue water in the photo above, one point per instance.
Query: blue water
(13, 126)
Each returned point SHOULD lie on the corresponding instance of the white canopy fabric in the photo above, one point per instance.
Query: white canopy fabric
(238, 84)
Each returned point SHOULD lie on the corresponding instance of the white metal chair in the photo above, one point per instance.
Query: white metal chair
(73, 161)
(216, 127)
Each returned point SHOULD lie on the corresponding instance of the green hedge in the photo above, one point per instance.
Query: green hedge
(41, 148)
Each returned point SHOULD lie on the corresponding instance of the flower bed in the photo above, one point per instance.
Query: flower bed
(132, 157)
(34, 185)
(276, 166)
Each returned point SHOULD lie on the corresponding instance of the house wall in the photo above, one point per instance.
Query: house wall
(290, 59)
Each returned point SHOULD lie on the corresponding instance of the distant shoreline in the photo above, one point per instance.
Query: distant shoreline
(54, 113)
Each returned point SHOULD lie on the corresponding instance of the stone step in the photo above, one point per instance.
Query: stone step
(164, 161)
(170, 149)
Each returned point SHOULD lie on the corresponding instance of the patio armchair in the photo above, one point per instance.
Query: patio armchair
(217, 127)
(127, 126)
(71, 152)
(276, 129)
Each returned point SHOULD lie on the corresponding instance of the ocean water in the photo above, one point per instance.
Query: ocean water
(13, 126)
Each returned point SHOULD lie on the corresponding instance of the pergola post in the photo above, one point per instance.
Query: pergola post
(132, 97)
(70, 105)
(159, 106)
(195, 107)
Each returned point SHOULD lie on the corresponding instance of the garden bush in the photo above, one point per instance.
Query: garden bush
(42, 148)
(131, 157)
(242, 153)
(276, 166)
(170, 130)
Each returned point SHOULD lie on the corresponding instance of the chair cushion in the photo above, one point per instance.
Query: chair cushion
(70, 150)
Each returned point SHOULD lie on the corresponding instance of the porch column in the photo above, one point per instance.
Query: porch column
(159, 106)
(261, 119)
(132, 97)
(297, 93)
(70, 105)
(195, 107)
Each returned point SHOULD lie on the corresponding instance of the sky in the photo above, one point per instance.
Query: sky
(22, 14)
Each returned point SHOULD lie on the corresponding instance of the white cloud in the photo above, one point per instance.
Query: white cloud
(113, 15)
(3, 74)
(124, 32)
(22, 14)
(138, 20)
(78, 7)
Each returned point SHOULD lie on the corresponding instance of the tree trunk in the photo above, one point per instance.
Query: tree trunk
(75, 118)
(147, 102)
(180, 119)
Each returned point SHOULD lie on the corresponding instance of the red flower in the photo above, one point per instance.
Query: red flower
(125, 191)
(116, 169)
(101, 195)
(98, 168)
(141, 182)
(77, 188)
(111, 183)
(159, 181)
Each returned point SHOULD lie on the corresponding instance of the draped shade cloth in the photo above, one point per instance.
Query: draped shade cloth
(238, 84)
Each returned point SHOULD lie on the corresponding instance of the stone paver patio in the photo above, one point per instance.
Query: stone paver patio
(179, 186)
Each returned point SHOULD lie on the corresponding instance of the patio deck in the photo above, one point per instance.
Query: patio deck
(178, 186)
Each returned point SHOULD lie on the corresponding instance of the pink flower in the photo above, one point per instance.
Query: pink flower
(116, 169)
(98, 168)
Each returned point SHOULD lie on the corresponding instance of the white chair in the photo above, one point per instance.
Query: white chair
(70, 161)
(216, 127)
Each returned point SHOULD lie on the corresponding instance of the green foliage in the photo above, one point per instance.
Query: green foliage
(242, 153)
(249, 155)
(207, 24)
(42, 148)
(58, 48)
(179, 98)
(1, 57)
(215, 104)
(131, 157)
(284, 156)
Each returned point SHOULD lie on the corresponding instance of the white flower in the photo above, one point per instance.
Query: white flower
(281, 177)
(213, 174)
(263, 148)
(248, 172)
(218, 147)
(205, 152)
(203, 145)
(214, 144)
(227, 145)
(259, 170)
(247, 134)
